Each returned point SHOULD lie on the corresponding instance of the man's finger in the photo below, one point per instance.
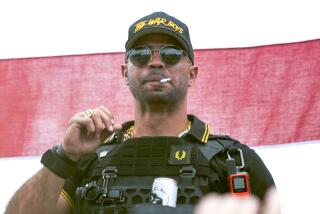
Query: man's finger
(107, 112)
(81, 122)
(98, 123)
(107, 120)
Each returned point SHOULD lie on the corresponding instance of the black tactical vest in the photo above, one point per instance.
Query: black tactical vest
(121, 180)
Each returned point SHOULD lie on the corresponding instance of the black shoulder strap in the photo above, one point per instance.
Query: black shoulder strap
(103, 150)
(109, 145)
(215, 145)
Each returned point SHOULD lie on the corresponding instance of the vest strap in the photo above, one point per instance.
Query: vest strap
(215, 145)
(102, 151)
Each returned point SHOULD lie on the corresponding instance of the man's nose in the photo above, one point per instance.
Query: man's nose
(155, 61)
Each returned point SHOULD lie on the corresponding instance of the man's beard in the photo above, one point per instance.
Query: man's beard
(162, 97)
(158, 95)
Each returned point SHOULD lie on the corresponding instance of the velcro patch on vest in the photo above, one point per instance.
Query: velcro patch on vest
(180, 155)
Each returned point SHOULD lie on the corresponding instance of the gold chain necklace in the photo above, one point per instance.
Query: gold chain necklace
(130, 132)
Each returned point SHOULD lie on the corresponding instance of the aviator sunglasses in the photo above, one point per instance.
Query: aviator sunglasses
(169, 54)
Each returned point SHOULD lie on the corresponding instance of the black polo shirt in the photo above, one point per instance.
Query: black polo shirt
(260, 177)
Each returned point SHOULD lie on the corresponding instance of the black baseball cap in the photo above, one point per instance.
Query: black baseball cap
(160, 22)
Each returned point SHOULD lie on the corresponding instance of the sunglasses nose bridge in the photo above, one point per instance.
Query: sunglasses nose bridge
(155, 58)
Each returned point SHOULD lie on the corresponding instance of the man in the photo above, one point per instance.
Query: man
(105, 167)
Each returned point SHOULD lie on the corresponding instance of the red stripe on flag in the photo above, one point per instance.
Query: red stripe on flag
(261, 95)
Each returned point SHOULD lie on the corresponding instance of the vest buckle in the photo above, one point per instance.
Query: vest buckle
(187, 173)
(110, 172)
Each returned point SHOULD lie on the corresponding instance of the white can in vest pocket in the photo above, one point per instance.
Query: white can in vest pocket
(166, 189)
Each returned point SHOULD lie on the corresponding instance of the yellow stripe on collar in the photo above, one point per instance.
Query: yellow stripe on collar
(209, 130)
(67, 198)
(206, 134)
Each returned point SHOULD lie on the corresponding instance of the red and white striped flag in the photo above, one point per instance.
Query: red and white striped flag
(260, 95)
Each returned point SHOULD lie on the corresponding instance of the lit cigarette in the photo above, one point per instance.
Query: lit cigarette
(165, 80)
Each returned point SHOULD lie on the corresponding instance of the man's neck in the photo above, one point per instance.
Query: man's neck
(160, 123)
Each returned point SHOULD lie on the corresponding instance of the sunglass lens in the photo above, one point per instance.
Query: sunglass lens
(170, 54)
(140, 56)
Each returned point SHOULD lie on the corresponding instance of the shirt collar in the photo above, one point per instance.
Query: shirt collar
(199, 130)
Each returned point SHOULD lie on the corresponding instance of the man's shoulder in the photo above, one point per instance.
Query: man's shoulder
(228, 142)
(204, 133)
(224, 140)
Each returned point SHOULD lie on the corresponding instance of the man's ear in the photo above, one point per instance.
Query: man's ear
(124, 71)
(193, 72)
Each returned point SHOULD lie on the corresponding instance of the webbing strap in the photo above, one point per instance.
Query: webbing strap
(215, 145)
(102, 151)
(148, 156)
(151, 155)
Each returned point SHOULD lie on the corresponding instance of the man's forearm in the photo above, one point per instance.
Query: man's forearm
(38, 195)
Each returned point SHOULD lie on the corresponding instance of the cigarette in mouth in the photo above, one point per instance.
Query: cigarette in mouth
(165, 80)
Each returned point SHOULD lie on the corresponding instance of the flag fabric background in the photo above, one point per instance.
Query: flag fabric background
(262, 95)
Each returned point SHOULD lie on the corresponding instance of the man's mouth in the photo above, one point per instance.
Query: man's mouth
(154, 78)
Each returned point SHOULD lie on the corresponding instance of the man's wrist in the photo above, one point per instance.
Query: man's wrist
(59, 163)
(60, 151)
